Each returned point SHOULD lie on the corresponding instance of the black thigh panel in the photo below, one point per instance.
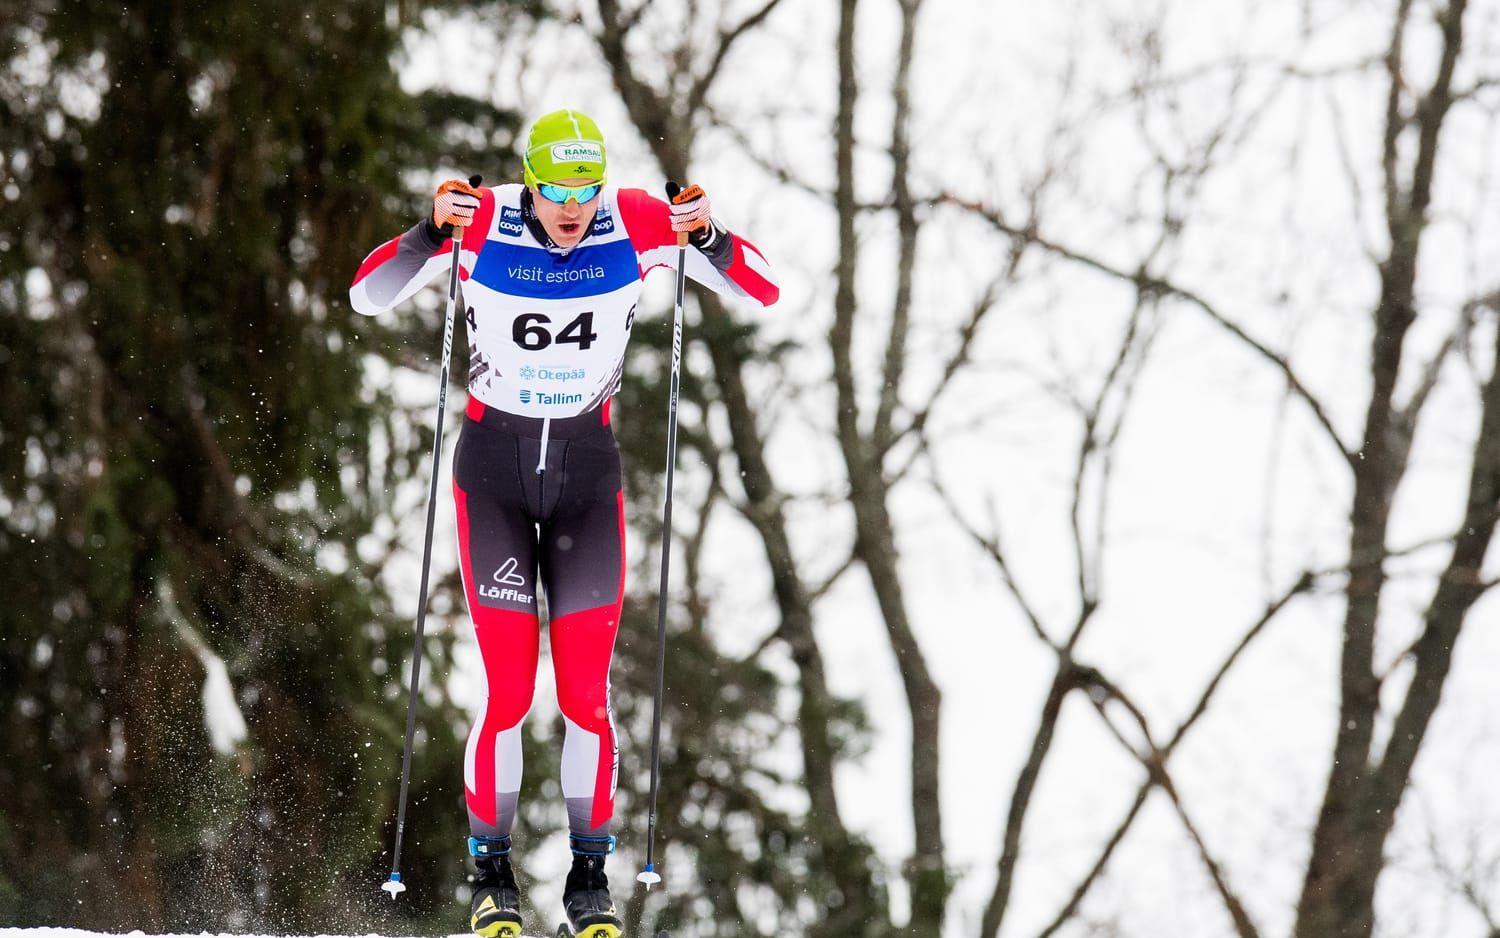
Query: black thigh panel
(568, 517)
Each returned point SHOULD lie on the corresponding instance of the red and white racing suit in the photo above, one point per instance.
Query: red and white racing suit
(536, 476)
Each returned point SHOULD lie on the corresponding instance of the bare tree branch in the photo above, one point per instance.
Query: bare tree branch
(1406, 415)
(632, 16)
(1020, 799)
(1232, 904)
(956, 361)
(1275, 64)
(906, 235)
(694, 540)
(1146, 282)
(1404, 421)
(990, 544)
(1471, 883)
(727, 39)
(1351, 176)
(1459, 587)
(1475, 88)
(1089, 446)
(1075, 899)
(1070, 908)
(1394, 123)
(816, 591)
(1153, 760)
(781, 173)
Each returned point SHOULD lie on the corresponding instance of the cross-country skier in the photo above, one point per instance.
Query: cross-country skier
(551, 273)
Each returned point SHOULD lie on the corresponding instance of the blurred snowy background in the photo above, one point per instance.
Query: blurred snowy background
(1094, 540)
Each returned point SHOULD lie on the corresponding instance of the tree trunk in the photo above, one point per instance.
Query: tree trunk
(875, 541)
(847, 862)
(1361, 797)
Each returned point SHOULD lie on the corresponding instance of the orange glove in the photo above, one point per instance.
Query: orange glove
(690, 210)
(454, 205)
(691, 215)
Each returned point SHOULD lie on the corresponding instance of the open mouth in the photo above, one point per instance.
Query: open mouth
(570, 227)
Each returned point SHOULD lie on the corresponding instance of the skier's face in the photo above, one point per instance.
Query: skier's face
(566, 223)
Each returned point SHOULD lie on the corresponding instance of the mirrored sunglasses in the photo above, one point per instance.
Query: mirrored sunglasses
(561, 194)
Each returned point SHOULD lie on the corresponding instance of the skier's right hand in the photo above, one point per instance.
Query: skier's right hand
(454, 205)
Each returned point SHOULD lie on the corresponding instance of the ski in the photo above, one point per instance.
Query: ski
(592, 931)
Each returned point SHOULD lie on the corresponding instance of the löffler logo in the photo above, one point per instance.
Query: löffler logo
(509, 577)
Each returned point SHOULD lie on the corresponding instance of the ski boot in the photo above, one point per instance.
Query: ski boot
(495, 910)
(591, 913)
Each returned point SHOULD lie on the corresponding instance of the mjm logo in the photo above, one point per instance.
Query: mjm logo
(510, 220)
(577, 153)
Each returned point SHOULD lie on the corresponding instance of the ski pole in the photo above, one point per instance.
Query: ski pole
(394, 886)
(649, 876)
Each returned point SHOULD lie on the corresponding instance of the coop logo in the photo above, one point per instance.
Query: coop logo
(529, 396)
(510, 220)
(577, 153)
(509, 578)
(604, 221)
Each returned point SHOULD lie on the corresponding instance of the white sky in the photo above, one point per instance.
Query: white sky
(1223, 488)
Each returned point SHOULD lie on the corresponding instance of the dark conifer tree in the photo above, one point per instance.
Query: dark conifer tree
(196, 464)
(203, 459)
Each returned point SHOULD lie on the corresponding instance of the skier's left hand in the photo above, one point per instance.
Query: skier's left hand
(690, 213)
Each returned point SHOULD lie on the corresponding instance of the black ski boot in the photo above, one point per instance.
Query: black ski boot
(591, 913)
(495, 910)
